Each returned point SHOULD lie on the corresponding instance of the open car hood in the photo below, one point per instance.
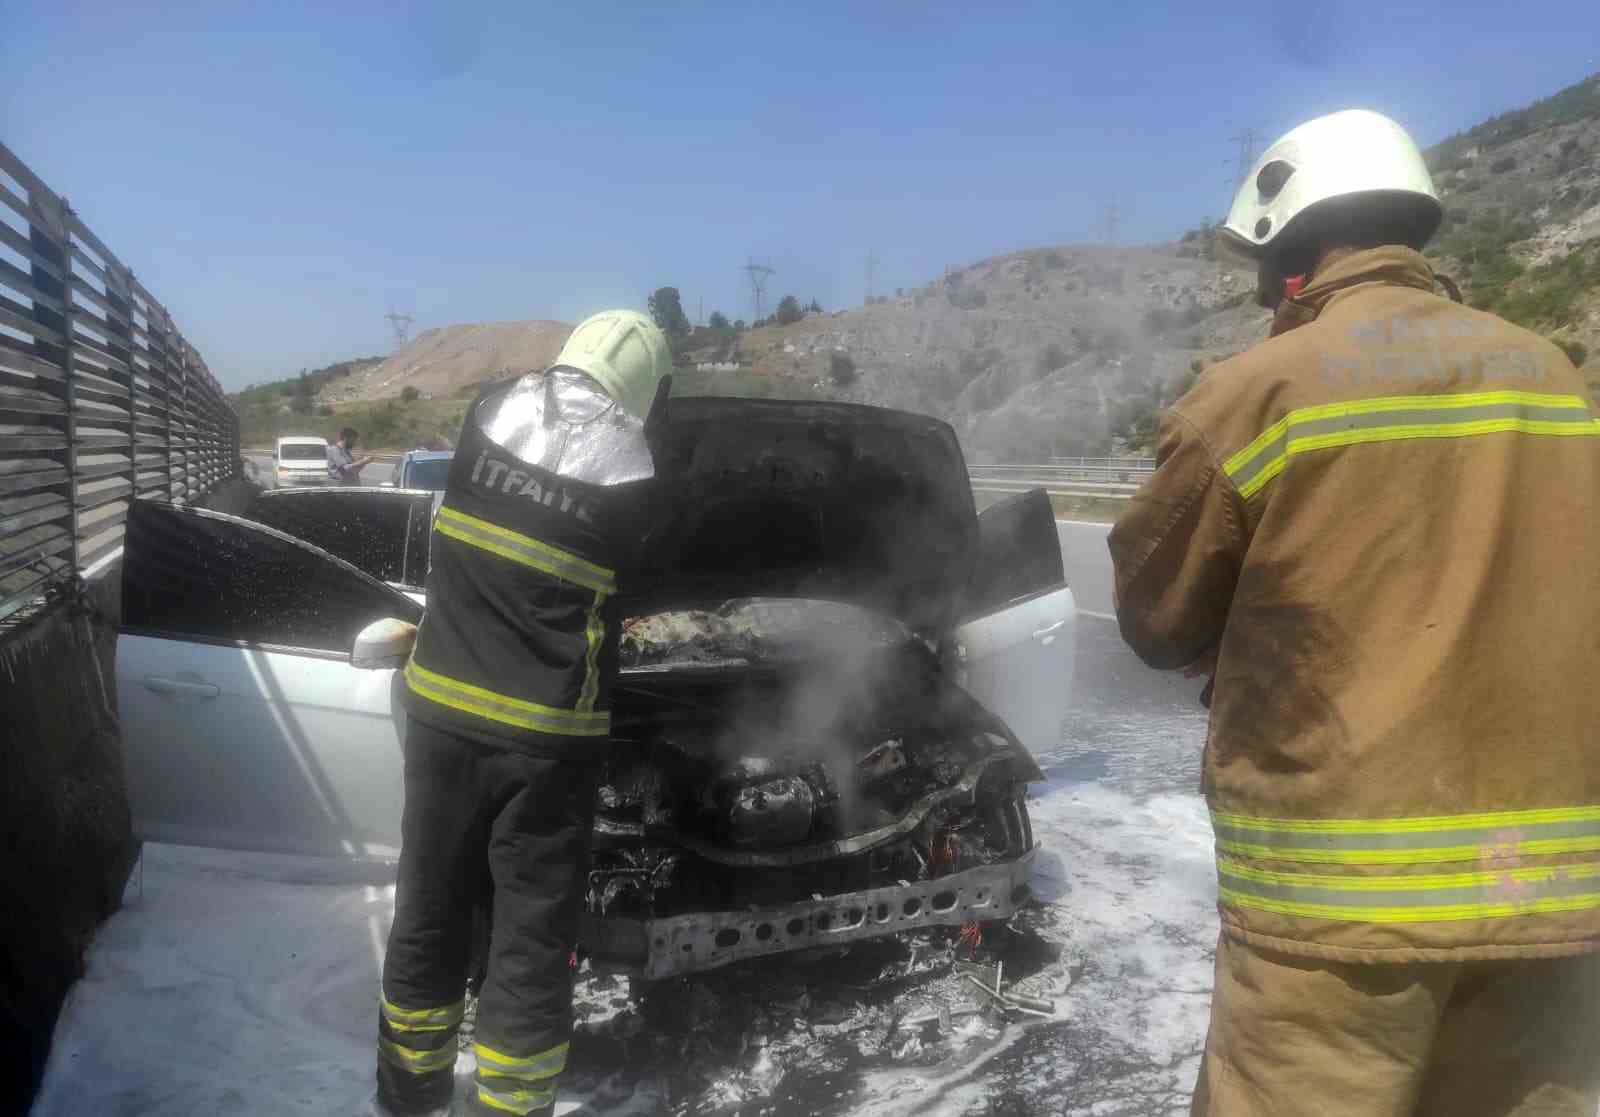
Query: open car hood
(772, 498)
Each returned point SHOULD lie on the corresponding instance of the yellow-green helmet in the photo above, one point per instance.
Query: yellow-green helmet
(626, 354)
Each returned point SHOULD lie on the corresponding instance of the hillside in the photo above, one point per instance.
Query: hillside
(445, 361)
(1075, 349)
(1031, 353)
(1522, 216)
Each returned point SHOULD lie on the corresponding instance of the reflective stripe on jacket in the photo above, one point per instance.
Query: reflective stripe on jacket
(1383, 524)
(520, 638)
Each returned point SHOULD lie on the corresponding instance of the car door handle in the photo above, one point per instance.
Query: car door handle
(180, 686)
(1048, 630)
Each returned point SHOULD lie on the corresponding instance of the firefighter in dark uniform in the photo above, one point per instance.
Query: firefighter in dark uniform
(508, 697)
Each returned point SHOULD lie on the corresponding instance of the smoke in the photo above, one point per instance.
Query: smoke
(842, 673)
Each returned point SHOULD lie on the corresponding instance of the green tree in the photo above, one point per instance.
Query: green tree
(409, 393)
(789, 311)
(667, 310)
(718, 320)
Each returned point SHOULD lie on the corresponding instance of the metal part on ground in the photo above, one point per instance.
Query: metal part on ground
(670, 947)
(991, 980)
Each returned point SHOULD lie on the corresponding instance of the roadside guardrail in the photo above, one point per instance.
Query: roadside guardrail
(1103, 478)
(102, 400)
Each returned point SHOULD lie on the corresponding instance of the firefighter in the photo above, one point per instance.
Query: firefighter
(1375, 532)
(507, 695)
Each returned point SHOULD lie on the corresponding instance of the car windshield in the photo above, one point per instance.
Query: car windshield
(430, 474)
(302, 452)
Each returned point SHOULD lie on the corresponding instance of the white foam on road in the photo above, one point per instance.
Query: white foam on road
(247, 984)
(1131, 890)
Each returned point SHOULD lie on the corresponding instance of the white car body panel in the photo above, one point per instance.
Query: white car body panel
(259, 748)
(1019, 665)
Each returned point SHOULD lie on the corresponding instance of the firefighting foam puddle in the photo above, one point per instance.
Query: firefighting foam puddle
(246, 984)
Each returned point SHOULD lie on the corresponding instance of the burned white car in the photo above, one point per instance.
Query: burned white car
(831, 674)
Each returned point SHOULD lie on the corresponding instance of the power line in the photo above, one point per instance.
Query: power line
(1248, 141)
(758, 274)
(402, 327)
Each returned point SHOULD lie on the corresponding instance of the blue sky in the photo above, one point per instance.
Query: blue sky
(281, 175)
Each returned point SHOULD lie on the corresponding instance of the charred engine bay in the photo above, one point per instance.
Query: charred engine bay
(773, 751)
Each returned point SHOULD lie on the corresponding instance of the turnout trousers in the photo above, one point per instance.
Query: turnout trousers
(1300, 1036)
(477, 816)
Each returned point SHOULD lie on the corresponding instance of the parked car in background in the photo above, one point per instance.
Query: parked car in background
(422, 469)
(299, 460)
(832, 674)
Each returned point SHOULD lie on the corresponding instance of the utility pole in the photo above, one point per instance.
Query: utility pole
(872, 273)
(1112, 216)
(758, 273)
(1247, 141)
(402, 327)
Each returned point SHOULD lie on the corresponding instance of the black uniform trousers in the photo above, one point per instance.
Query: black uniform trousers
(479, 815)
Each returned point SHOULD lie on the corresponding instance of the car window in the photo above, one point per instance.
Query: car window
(208, 576)
(381, 532)
(303, 452)
(431, 474)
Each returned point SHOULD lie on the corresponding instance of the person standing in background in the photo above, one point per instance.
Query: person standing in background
(343, 468)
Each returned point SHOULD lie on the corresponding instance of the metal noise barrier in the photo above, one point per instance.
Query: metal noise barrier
(102, 400)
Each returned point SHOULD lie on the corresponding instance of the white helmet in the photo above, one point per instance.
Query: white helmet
(1347, 153)
(625, 352)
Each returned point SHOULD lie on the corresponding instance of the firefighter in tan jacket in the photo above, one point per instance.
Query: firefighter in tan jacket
(1378, 532)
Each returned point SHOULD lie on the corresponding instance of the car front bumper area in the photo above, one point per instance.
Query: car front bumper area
(682, 944)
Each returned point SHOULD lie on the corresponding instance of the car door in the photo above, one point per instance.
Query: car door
(1016, 641)
(244, 724)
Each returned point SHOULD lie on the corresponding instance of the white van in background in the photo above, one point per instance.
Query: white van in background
(299, 460)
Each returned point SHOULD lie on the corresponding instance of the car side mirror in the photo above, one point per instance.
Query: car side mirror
(385, 643)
